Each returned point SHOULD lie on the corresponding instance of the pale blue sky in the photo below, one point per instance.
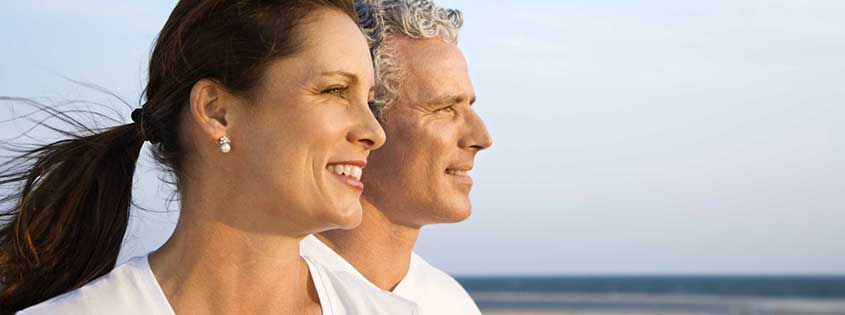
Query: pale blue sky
(630, 136)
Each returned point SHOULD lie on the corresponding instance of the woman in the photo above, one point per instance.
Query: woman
(259, 109)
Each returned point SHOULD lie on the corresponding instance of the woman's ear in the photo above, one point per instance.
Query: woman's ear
(209, 108)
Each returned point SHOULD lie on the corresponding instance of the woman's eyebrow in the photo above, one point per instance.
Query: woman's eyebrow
(350, 76)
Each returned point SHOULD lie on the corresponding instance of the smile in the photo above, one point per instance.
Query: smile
(457, 172)
(460, 176)
(347, 170)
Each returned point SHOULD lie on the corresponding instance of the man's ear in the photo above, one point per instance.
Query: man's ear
(208, 108)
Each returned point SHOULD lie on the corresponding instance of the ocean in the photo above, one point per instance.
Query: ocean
(664, 295)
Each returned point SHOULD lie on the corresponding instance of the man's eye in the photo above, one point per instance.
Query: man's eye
(446, 109)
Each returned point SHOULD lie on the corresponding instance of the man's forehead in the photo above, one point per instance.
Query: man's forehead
(414, 53)
(432, 70)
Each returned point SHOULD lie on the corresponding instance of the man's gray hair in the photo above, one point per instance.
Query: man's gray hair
(417, 19)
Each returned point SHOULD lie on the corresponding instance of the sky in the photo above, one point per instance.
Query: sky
(630, 137)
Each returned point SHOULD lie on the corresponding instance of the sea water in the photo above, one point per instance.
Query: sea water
(611, 295)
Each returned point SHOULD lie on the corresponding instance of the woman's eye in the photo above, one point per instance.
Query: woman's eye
(337, 90)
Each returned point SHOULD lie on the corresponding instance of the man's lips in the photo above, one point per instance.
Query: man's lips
(460, 174)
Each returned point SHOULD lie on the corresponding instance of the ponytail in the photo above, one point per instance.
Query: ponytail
(69, 212)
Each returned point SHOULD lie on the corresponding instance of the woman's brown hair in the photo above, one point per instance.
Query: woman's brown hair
(70, 199)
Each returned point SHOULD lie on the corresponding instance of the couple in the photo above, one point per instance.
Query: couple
(266, 113)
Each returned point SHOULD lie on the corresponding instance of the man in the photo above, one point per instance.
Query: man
(420, 176)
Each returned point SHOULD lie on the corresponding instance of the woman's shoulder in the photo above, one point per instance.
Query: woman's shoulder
(128, 289)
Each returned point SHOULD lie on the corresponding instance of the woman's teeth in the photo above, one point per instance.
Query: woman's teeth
(457, 172)
(346, 170)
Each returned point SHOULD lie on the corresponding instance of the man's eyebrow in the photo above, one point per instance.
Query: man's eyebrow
(452, 99)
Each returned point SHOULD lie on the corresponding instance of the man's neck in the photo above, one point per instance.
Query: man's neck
(379, 248)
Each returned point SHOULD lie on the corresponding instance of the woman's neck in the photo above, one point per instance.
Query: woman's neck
(209, 267)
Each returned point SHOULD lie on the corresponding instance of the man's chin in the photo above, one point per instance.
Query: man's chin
(456, 213)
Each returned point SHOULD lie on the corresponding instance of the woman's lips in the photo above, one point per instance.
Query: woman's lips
(351, 182)
(348, 173)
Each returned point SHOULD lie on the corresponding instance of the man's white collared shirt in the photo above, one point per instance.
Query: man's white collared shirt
(434, 291)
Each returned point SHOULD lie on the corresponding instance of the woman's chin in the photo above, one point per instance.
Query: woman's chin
(348, 217)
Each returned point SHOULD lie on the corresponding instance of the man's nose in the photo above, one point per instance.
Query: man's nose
(476, 137)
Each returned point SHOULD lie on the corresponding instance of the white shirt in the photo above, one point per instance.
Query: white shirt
(131, 289)
(434, 291)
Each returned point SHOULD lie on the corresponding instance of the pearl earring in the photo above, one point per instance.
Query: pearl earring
(225, 147)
